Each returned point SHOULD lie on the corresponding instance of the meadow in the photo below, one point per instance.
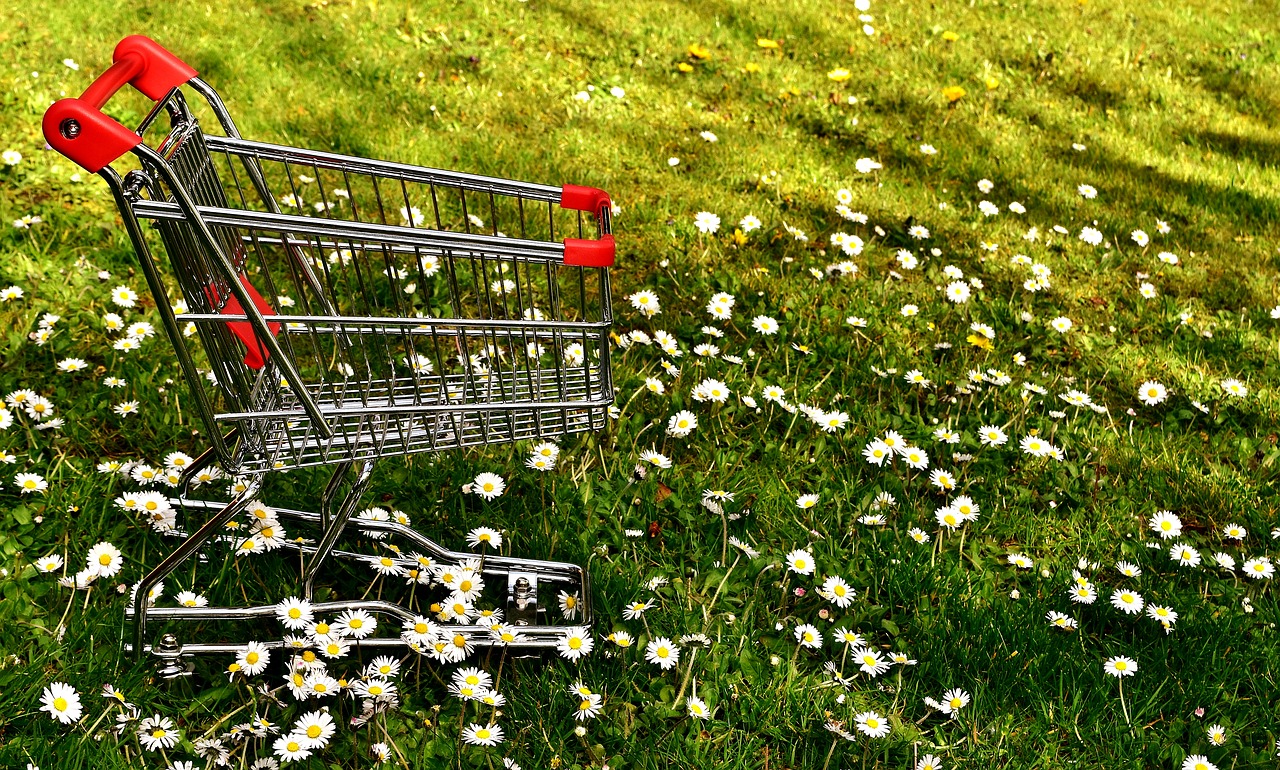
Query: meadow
(946, 349)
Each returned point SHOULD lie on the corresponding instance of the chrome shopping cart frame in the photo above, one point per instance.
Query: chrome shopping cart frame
(346, 310)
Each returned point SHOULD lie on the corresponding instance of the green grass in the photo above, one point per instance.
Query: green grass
(1176, 106)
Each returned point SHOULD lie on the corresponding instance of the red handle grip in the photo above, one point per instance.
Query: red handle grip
(78, 129)
(577, 251)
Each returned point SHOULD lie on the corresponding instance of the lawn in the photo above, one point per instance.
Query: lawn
(1034, 246)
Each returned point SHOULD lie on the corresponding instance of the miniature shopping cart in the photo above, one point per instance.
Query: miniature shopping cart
(339, 310)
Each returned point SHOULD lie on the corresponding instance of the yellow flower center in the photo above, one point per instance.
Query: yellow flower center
(313, 732)
(295, 613)
(356, 623)
(60, 704)
(575, 643)
(420, 628)
(104, 559)
(251, 658)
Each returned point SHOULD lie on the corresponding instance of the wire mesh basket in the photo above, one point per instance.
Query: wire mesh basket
(336, 310)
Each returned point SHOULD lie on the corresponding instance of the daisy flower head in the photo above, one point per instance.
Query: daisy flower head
(697, 708)
(1235, 388)
(808, 636)
(1128, 602)
(1185, 555)
(948, 517)
(953, 700)
(62, 702)
(291, 748)
(575, 643)
(870, 661)
(1152, 393)
(943, 480)
(1234, 531)
(157, 732)
(1166, 524)
(1128, 569)
(805, 502)
(1083, 593)
(1260, 568)
(1120, 666)
(589, 706)
(488, 485)
(929, 762)
(646, 302)
(655, 458)
(915, 457)
(1061, 324)
(253, 658)
(682, 423)
(1198, 762)
(765, 325)
(872, 724)
(958, 292)
(706, 222)
(294, 613)
(877, 452)
(966, 508)
(315, 728)
(482, 735)
(355, 623)
(123, 296)
(712, 390)
(837, 591)
(105, 560)
(991, 435)
(1035, 446)
(662, 652)
(486, 536)
(801, 562)
(29, 483)
(1059, 620)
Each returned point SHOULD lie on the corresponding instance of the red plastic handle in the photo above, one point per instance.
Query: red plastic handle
(578, 251)
(78, 129)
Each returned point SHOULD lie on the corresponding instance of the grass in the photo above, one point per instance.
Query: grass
(1175, 105)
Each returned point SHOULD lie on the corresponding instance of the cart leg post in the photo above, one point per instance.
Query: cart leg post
(334, 524)
(183, 552)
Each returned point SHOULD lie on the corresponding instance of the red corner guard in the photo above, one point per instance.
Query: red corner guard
(255, 356)
(585, 253)
(577, 198)
(578, 251)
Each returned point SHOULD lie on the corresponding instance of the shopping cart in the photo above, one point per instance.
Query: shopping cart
(339, 310)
